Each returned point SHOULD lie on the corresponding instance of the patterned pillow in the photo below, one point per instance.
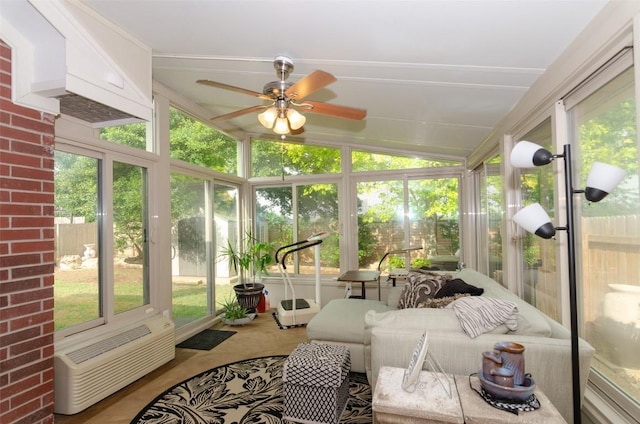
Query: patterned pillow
(441, 302)
(420, 286)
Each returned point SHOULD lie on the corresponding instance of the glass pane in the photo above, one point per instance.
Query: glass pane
(133, 135)
(194, 142)
(317, 211)
(271, 159)
(493, 208)
(130, 235)
(225, 201)
(366, 161)
(77, 272)
(274, 218)
(539, 273)
(380, 220)
(434, 219)
(608, 234)
(188, 249)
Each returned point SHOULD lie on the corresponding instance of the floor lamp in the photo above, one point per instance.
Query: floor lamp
(601, 181)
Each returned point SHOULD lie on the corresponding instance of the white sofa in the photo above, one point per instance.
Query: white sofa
(378, 334)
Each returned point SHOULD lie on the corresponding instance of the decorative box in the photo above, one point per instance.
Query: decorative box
(316, 383)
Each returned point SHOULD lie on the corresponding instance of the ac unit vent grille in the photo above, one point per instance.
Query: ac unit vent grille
(96, 349)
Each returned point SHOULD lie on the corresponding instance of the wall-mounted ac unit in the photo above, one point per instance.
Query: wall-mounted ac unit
(87, 374)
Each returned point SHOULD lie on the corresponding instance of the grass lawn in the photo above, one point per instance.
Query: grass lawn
(76, 295)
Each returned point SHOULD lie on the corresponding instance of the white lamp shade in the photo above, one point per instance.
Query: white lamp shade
(281, 126)
(268, 117)
(535, 220)
(602, 180)
(296, 119)
(526, 154)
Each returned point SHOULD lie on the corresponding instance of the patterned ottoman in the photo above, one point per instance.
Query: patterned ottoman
(316, 383)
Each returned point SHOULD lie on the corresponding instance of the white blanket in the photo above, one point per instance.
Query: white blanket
(479, 314)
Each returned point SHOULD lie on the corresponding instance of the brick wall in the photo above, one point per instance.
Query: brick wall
(26, 258)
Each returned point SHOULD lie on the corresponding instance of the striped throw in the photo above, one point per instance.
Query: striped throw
(479, 314)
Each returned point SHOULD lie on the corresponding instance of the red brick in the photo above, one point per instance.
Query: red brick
(20, 184)
(26, 322)
(16, 311)
(32, 173)
(31, 125)
(21, 110)
(21, 234)
(18, 336)
(22, 135)
(30, 197)
(33, 368)
(31, 296)
(18, 260)
(25, 272)
(32, 345)
(31, 246)
(20, 285)
(31, 222)
(19, 415)
(19, 159)
(21, 209)
(17, 362)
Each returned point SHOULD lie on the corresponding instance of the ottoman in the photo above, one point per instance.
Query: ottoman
(316, 383)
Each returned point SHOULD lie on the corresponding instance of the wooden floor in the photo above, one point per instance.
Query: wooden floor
(261, 337)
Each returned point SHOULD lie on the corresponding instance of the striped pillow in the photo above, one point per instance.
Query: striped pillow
(480, 314)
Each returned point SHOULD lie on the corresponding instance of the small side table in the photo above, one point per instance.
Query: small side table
(428, 403)
(477, 411)
(361, 277)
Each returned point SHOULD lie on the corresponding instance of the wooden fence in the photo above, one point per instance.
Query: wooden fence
(610, 255)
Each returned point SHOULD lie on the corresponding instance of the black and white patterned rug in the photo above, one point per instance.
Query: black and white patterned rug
(248, 391)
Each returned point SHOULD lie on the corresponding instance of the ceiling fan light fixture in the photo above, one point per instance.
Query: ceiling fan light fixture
(281, 126)
(296, 119)
(268, 117)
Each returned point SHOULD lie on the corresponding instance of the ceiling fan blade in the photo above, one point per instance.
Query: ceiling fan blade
(238, 113)
(333, 110)
(298, 131)
(234, 88)
(309, 84)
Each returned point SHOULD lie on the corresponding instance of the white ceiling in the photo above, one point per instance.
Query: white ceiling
(434, 76)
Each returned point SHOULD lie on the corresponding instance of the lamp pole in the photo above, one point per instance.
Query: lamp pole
(573, 297)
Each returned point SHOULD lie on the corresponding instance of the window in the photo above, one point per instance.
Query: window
(136, 135)
(102, 237)
(603, 129)
(366, 161)
(400, 213)
(77, 273)
(539, 274)
(315, 208)
(490, 219)
(275, 159)
(193, 142)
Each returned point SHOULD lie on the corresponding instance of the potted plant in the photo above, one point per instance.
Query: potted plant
(250, 261)
(233, 313)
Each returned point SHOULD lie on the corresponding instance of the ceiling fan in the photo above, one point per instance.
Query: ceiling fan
(280, 114)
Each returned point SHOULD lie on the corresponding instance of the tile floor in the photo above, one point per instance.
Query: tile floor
(261, 337)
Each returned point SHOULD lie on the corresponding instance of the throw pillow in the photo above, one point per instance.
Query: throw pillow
(456, 286)
(420, 285)
(441, 302)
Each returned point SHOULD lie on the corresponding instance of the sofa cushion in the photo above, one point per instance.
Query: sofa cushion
(342, 320)
(420, 286)
(430, 319)
(458, 286)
